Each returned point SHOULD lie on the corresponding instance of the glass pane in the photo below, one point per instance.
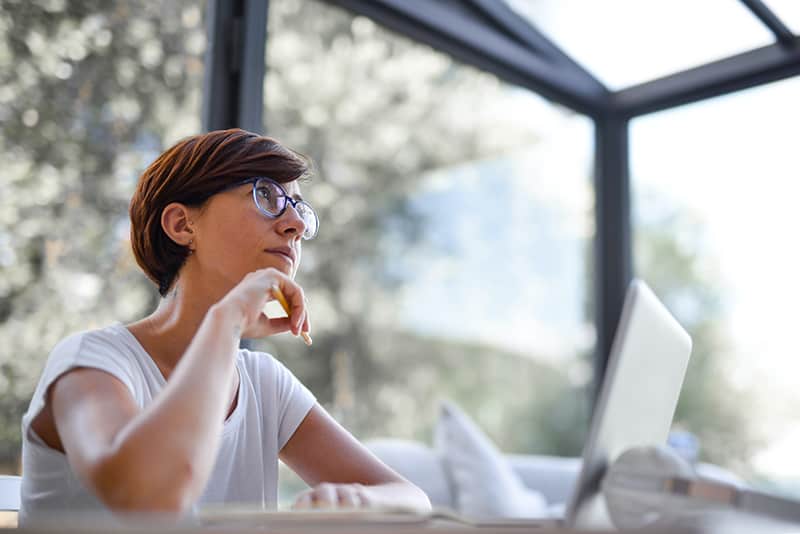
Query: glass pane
(626, 42)
(90, 93)
(716, 219)
(788, 11)
(453, 259)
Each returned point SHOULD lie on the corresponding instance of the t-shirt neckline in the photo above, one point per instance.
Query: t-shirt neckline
(229, 421)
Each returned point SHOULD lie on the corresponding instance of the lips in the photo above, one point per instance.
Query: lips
(286, 252)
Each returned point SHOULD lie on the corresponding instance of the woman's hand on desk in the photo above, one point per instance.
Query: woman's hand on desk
(393, 496)
(327, 495)
(342, 473)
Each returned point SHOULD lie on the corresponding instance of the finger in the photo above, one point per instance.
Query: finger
(290, 296)
(325, 496)
(279, 324)
(297, 303)
(302, 322)
(268, 327)
(306, 328)
(307, 321)
(365, 501)
(299, 317)
(303, 501)
(348, 497)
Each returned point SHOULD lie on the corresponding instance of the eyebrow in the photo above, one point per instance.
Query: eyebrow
(298, 197)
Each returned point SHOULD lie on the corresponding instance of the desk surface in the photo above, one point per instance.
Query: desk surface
(724, 523)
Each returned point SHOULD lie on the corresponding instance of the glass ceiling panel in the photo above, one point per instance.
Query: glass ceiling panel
(788, 11)
(627, 42)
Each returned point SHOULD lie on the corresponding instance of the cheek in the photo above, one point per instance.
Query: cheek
(233, 238)
(230, 233)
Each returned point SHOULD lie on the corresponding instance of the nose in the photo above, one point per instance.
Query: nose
(291, 223)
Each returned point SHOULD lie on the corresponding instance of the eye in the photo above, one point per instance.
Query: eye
(270, 198)
(264, 192)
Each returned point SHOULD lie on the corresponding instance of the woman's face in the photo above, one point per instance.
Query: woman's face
(234, 237)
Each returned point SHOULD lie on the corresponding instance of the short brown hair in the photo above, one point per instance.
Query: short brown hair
(190, 172)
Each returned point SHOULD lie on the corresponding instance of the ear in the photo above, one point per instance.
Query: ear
(177, 222)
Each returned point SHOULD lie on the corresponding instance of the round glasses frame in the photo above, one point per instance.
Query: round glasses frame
(288, 200)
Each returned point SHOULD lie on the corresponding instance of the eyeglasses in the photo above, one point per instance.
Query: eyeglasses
(272, 200)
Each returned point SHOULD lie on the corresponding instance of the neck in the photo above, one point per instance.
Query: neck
(167, 332)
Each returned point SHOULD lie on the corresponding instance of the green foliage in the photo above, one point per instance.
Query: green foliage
(525, 405)
(669, 245)
(377, 112)
(90, 92)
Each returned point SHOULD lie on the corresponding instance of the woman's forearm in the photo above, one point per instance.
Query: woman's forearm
(163, 458)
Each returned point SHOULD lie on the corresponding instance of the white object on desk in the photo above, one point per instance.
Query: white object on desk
(9, 493)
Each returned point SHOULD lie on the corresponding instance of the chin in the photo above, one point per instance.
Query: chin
(280, 266)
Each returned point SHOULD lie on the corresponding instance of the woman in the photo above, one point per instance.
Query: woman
(167, 412)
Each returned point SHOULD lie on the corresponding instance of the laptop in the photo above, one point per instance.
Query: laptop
(637, 402)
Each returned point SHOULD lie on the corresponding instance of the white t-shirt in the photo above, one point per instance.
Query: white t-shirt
(271, 405)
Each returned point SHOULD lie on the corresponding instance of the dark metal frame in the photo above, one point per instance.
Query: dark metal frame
(233, 93)
(491, 36)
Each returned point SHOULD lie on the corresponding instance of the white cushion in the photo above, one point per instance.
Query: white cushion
(484, 483)
(553, 476)
(9, 492)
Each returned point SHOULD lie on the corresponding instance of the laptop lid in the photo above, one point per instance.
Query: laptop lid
(637, 399)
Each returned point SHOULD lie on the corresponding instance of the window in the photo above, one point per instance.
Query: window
(627, 42)
(715, 195)
(788, 11)
(454, 253)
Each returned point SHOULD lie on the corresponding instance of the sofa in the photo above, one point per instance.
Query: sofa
(464, 471)
(551, 476)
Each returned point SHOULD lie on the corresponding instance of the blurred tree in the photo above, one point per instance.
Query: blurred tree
(376, 112)
(90, 92)
(669, 241)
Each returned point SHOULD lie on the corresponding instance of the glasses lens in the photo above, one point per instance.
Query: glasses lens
(306, 212)
(270, 197)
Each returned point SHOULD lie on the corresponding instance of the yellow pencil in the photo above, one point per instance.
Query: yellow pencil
(285, 305)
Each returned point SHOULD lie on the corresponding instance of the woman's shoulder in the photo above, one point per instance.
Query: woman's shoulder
(107, 348)
(274, 383)
(100, 348)
(263, 367)
(110, 336)
(257, 362)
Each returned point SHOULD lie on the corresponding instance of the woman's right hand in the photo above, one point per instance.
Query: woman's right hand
(248, 298)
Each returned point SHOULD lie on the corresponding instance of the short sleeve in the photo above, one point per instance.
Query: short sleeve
(294, 401)
(85, 349)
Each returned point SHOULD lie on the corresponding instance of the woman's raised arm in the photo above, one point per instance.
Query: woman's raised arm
(158, 458)
(161, 457)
